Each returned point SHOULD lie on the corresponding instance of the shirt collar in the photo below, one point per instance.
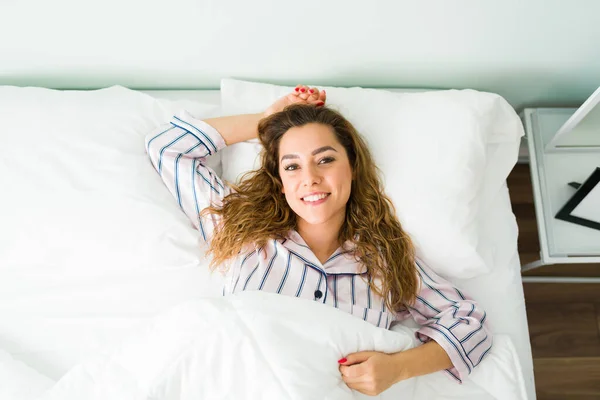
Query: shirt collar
(342, 261)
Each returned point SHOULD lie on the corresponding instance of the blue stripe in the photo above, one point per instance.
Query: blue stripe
(250, 276)
(300, 244)
(347, 273)
(453, 345)
(199, 130)
(208, 182)
(239, 273)
(335, 299)
(196, 201)
(287, 270)
(471, 334)
(477, 345)
(431, 287)
(379, 320)
(483, 355)
(247, 256)
(427, 275)
(353, 299)
(162, 150)
(208, 152)
(483, 318)
(427, 304)
(319, 284)
(236, 281)
(160, 134)
(299, 292)
(423, 315)
(177, 191)
(472, 309)
(460, 294)
(368, 300)
(268, 271)
(216, 179)
(453, 325)
(454, 376)
(336, 256)
(307, 262)
(387, 318)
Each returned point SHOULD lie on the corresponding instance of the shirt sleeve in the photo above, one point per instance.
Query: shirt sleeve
(178, 151)
(456, 322)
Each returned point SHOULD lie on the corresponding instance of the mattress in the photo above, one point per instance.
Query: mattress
(42, 327)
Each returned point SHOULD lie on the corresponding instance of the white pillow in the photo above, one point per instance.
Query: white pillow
(430, 146)
(79, 190)
(91, 238)
(20, 381)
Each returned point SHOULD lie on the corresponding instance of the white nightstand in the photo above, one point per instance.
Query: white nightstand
(560, 241)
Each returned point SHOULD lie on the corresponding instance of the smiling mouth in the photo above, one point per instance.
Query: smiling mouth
(317, 198)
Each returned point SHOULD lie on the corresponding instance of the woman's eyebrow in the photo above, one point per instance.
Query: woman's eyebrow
(314, 153)
(322, 149)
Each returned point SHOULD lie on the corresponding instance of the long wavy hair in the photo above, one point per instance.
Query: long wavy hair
(256, 211)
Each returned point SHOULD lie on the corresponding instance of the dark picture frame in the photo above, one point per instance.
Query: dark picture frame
(565, 212)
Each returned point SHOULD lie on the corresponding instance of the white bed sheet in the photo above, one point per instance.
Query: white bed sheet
(111, 303)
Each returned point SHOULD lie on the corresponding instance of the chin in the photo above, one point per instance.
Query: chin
(314, 220)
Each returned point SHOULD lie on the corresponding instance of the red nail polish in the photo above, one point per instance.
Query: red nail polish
(343, 360)
(312, 91)
(303, 90)
(297, 89)
(319, 104)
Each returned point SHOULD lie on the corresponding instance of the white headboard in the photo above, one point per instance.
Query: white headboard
(534, 52)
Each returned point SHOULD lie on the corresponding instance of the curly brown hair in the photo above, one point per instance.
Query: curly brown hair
(257, 211)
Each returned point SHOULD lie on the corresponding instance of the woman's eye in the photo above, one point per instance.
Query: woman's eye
(326, 160)
(290, 167)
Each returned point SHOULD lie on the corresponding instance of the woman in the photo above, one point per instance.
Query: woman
(314, 222)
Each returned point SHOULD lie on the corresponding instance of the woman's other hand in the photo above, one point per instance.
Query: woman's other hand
(302, 94)
(370, 372)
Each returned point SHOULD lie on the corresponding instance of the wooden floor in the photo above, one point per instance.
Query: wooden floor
(564, 319)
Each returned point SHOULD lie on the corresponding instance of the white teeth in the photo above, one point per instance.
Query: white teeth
(315, 197)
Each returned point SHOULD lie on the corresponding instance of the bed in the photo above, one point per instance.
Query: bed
(53, 318)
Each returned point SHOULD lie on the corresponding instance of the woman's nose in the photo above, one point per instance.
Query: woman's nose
(311, 176)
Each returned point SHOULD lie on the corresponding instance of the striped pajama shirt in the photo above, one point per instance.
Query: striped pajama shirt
(287, 266)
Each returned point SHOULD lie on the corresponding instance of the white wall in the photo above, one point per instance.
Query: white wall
(534, 52)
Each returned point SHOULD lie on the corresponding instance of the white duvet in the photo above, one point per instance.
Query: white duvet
(252, 345)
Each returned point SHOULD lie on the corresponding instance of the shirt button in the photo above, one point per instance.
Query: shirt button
(318, 294)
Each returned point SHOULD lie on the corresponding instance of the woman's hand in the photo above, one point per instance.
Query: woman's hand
(301, 94)
(371, 372)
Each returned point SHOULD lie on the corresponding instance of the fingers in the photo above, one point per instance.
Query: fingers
(351, 372)
(302, 91)
(323, 96)
(310, 95)
(357, 358)
(355, 380)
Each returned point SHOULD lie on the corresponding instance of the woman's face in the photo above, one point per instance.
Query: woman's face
(315, 172)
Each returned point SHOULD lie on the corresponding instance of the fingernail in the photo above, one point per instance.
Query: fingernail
(343, 360)
(297, 89)
(323, 91)
(312, 91)
(319, 104)
(303, 90)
